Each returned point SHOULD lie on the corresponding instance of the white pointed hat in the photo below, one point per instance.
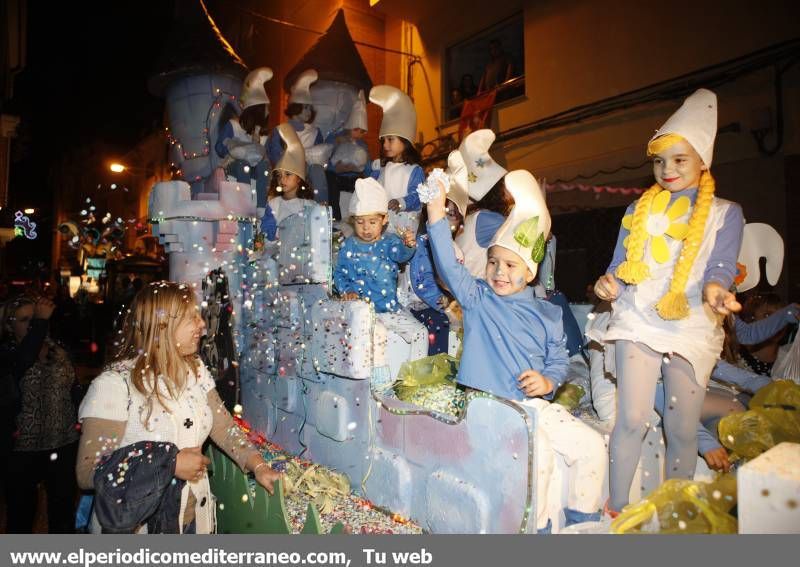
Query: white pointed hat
(482, 171)
(369, 198)
(760, 240)
(457, 170)
(253, 90)
(696, 122)
(399, 114)
(526, 228)
(293, 159)
(300, 92)
(358, 114)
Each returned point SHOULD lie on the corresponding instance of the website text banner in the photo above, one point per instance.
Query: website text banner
(392, 551)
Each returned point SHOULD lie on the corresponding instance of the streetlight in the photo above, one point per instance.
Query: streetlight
(117, 167)
(29, 211)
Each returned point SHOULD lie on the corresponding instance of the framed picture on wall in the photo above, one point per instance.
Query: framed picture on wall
(494, 58)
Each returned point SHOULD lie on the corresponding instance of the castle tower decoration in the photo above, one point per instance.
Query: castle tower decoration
(342, 74)
(198, 74)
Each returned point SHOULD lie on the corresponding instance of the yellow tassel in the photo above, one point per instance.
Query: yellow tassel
(633, 271)
(673, 306)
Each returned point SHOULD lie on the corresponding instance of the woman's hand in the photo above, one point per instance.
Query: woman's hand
(266, 476)
(606, 287)
(722, 301)
(533, 384)
(191, 464)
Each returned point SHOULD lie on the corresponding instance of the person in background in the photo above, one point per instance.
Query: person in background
(45, 438)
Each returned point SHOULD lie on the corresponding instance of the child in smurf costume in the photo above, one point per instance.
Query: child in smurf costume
(398, 170)
(514, 344)
(367, 265)
(669, 283)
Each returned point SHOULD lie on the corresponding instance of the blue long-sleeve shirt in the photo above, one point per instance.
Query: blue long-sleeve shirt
(370, 269)
(423, 276)
(503, 335)
(411, 200)
(275, 146)
(721, 265)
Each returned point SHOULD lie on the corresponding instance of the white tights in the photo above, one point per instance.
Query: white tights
(638, 370)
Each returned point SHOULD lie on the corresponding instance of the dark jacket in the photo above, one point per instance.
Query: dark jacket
(136, 484)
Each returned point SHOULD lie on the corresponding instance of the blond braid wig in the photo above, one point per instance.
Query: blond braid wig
(674, 305)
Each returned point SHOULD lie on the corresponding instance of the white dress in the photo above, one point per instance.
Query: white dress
(697, 338)
(187, 424)
(283, 208)
(394, 177)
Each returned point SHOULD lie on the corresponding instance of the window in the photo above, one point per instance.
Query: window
(492, 58)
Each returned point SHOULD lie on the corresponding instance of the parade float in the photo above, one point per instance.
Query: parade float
(314, 376)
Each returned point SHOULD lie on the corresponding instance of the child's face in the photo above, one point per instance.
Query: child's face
(358, 133)
(454, 218)
(290, 184)
(189, 331)
(369, 228)
(678, 167)
(393, 147)
(506, 272)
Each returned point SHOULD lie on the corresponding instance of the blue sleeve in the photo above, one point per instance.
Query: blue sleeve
(746, 380)
(423, 278)
(227, 132)
(343, 274)
(570, 324)
(411, 200)
(721, 265)
(619, 250)
(269, 225)
(399, 252)
(556, 362)
(374, 173)
(319, 139)
(456, 277)
(368, 166)
(760, 331)
(486, 226)
(706, 440)
(274, 147)
(331, 139)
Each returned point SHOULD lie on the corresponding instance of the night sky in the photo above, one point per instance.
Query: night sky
(85, 80)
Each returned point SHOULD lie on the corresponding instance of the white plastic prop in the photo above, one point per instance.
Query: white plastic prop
(429, 190)
(760, 240)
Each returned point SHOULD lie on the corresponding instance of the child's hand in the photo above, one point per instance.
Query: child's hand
(408, 237)
(350, 296)
(437, 205)
(533, 384)
(717, 459)
(606, 287)
(394, 205)
(720, 299)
